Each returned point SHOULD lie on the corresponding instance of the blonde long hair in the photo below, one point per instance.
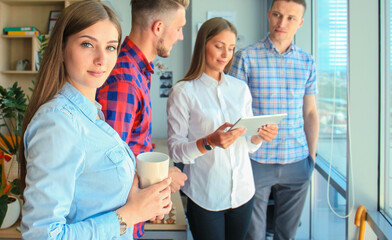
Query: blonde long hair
(52, 75)
(208, 30)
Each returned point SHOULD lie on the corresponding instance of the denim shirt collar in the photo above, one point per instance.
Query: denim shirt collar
(81, 102)
(270, 46)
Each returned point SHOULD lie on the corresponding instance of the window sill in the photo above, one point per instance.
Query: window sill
(376, 220)
(380, 225)
(337, 181)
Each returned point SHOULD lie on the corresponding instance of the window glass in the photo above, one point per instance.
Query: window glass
(325, 224)
(331, 58)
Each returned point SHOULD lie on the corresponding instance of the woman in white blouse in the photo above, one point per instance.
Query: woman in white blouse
(200, 108)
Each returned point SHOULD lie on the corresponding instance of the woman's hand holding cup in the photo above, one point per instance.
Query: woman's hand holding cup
(150, 203)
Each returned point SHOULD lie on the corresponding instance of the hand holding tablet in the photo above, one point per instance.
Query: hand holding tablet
(252, 124)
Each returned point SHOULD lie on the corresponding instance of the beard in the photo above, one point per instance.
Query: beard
(162, 51)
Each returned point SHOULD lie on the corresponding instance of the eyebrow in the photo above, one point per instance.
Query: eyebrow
(275, 11)
(94, 39)
(225, 43)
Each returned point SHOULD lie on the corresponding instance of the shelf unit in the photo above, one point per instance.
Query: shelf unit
(19, 13)
(20, 47)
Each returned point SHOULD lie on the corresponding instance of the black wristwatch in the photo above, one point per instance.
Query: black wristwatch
(123, 225)
(206, 145)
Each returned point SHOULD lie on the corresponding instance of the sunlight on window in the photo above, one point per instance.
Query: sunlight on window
(327, 225)
(331, 58)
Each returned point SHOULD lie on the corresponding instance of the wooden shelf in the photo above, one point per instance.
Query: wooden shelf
(12, 232)
(23, 36)
(18, 36)
(13, 48)
(18, 72)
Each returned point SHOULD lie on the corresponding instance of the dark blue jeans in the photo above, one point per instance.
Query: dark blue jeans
(230, 224)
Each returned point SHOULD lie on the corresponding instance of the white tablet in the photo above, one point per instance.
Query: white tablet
(252, 124)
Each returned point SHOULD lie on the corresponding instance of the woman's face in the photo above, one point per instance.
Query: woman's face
(90, 55)
(219, 52)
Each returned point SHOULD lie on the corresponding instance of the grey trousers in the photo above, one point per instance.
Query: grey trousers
(290, 182)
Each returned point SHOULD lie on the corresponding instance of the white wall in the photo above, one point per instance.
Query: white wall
(123, 11)
(303, 38)
(251, 19)
(364, 97)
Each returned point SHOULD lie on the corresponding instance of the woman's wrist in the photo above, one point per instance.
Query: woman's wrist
(200, 146)
(208, 138)
(205, 144)
(129, 216)
(256, 139)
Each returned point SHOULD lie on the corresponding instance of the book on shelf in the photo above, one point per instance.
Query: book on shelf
(8, 29)
(22, 33)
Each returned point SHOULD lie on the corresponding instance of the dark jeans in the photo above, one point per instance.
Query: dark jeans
(230, 224)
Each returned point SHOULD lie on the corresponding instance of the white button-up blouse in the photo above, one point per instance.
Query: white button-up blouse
(221, 178)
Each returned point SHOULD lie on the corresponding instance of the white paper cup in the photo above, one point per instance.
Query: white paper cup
(152, 167)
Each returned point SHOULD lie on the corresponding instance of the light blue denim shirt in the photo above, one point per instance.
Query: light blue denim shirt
(78, 171)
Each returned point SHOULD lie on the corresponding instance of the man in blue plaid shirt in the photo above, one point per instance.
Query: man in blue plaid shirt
(282, 79)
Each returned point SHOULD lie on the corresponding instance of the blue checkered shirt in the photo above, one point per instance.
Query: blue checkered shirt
(278, 83)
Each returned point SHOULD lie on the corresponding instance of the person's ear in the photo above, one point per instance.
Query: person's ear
(302, 22)
(158, 27)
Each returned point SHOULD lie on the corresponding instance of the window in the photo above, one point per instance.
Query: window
(331, 60)
(330, 52)
(386, 110)
(325, 224)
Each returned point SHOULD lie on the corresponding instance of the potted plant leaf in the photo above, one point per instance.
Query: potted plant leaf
(13, 105)
(9, 205)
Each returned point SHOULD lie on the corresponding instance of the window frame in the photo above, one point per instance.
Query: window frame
(385, 75)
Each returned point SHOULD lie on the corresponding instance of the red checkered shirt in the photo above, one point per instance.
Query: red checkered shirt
(126, 102)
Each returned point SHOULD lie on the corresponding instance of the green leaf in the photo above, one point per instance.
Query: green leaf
(15, 189)
(13, 105)
(3, 207)
(9, 145)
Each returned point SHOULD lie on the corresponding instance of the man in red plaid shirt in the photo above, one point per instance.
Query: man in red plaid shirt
(125, 96)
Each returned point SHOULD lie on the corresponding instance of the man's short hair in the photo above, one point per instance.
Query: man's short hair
(145, 12)
(301, 2)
